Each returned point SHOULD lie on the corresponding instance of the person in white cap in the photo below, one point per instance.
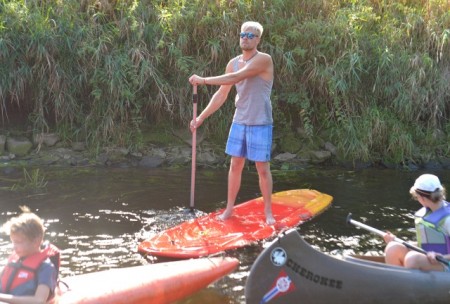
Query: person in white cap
(432, 228)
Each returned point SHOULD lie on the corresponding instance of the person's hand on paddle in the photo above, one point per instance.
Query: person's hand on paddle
(388, 237)
(196, 80)
(195, 123)
(431, 255)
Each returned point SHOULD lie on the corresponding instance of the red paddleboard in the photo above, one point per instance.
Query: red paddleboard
(156, 283)
(206, 235)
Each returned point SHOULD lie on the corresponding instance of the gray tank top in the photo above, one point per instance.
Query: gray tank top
(253, 105)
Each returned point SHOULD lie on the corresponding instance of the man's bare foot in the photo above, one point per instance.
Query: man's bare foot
(270, 220)
(225, 215)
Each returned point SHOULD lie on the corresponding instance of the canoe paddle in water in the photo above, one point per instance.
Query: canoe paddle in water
(382, 233)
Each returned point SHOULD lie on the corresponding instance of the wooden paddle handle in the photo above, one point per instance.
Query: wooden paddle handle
(194, 146)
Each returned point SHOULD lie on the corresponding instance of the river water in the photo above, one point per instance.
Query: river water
(98, 216)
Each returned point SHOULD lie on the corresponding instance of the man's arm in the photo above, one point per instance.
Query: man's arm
(261, 65)
(217, 100)
(40, 297)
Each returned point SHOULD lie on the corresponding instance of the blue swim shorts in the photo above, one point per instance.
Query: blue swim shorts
(251, 142)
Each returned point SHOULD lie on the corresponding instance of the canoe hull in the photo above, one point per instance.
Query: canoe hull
(291, 271)
(155, 283)
(207, 235)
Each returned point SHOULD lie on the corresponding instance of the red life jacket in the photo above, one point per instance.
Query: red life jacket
(19, 271)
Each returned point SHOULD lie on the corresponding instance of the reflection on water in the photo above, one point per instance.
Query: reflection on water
(99, 215)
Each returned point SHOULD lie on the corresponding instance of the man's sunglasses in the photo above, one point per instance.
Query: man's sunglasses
(248, 35)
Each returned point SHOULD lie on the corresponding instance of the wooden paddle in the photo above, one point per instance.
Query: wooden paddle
(194, 148)
(382, 233)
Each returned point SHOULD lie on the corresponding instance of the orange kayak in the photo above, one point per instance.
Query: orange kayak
(207, 235)
(156, 283)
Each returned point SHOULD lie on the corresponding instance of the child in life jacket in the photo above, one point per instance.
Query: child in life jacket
(29, 276)
(432, 229)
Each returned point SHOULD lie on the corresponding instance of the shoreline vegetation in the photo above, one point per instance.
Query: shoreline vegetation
(357, 83)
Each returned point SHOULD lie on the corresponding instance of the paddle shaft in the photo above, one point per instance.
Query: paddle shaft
(194, 146)
(382, 234)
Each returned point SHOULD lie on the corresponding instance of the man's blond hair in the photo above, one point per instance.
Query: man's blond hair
(253, 25)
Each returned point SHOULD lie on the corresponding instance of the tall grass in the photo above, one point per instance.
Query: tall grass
(357, 69)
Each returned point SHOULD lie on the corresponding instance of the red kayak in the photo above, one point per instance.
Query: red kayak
(155, 283)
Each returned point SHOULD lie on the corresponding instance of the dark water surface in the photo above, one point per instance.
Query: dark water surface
(99, 215)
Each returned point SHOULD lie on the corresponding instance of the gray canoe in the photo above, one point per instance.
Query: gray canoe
(291, 271)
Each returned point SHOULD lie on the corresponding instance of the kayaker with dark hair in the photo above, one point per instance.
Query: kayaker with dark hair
(29, 276)
(432, 228)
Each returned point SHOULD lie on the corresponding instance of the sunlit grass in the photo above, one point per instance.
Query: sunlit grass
(99, 74)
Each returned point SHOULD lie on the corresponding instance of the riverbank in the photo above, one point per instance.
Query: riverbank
(176, 151)
(95, 75)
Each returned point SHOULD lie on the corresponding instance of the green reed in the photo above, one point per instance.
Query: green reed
(31, 180)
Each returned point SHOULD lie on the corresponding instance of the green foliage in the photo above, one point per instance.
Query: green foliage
(377, 134)
(99, 73)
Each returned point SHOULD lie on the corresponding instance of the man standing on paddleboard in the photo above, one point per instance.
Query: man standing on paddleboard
(250, 134)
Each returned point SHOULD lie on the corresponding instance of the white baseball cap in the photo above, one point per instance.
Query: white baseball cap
(427, 183)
